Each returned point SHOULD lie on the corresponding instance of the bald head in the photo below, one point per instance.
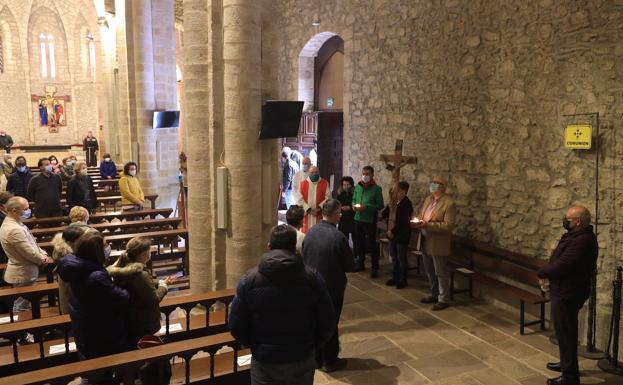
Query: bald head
(579, 214)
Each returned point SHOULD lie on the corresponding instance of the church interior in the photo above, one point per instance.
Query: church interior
(139, 134)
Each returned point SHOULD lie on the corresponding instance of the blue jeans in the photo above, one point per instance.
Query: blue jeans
(22, 304)
(291, 373)
(398, 251)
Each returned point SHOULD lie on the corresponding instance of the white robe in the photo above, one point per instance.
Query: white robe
(300, 176)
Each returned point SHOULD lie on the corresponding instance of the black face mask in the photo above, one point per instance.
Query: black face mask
(566, 224)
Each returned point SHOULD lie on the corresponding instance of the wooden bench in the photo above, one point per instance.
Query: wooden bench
(127, 364)
(195, 326)
(107, 228)
(34, 294)
(511, 274)
(112, 200)
(100, 217)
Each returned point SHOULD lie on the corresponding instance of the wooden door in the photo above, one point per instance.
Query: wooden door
(330, 138)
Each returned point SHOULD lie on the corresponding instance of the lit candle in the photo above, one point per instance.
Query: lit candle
(415, 220)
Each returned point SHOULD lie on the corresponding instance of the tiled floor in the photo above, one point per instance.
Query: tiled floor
(389, 338)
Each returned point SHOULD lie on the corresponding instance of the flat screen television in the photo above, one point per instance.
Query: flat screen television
(165, 119)
(281, 119)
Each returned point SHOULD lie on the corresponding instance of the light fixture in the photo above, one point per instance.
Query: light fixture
(89, 36)
(316, 23)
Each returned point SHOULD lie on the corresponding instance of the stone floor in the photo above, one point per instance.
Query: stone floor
(389, 338)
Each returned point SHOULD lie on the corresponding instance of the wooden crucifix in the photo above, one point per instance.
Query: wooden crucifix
(395, 163)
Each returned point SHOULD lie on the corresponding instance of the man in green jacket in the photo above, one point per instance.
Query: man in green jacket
(367, 201)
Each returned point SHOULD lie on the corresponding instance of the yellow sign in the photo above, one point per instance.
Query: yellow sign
(578, 136)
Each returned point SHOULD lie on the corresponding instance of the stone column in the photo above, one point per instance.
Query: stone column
(196, 98)
(243, 156)
(142, 91)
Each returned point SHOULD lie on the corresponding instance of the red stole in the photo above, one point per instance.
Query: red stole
(319, 197)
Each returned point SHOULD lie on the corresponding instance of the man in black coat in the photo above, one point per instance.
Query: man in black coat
(283, 312)
(399, 236)
(326, 250)
(17, 183)
(45, 190)
(569, 272)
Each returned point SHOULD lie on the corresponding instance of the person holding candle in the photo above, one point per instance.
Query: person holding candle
(367, 201)
(399, 236)
(436, 225)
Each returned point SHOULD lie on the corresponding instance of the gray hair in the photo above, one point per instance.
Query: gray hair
(331, 208)
(14, 203)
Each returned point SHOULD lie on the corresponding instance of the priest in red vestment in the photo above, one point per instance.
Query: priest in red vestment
(314, 191)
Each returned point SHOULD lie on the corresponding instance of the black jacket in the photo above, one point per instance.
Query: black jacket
(46, 191)
(347, 222)
(326, 250)
(572, 265)
(402, 228)
(97, 307)
(281, 310)
(77, 197)
(17, 183)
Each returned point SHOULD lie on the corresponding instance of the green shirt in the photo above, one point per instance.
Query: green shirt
(371, 198)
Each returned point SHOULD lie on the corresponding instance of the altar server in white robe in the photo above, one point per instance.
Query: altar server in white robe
(315, 191)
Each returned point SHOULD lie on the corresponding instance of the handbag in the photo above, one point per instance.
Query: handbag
(157, 372)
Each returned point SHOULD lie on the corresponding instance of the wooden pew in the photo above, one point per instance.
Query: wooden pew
(510, 273)
(100, 217)
(34, 294)
(44, 233)
(127, 364)
(112, 200)
(33, 357)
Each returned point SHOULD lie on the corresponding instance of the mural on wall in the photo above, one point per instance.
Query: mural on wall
(51, 109)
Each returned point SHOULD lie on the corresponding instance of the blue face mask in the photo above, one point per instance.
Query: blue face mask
(21, 169)
(26, 214)
(314, 178)
(434, 187)
(49, 168)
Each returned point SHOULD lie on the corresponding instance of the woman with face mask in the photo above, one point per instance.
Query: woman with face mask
(80, 190)
(56, 167)
(108, 168)
(132, 197)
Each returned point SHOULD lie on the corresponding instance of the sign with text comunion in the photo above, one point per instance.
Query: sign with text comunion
(578, 136)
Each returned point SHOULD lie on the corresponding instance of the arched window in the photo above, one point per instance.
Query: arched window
(91, 55)
(48, 61)
(1, 56)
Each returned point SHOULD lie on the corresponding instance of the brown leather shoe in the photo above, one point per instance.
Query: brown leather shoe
(429, 299)
(440, 306)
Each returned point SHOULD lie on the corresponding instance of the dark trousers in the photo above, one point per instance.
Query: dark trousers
(347, 231)
(398, 251)
(565, 316)
(292, 373)
(365, 240)
(329, 352)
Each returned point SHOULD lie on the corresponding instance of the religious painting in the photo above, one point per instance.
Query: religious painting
(51, 109)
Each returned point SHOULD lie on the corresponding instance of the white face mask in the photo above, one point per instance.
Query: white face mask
(132, 172)
(366, 178)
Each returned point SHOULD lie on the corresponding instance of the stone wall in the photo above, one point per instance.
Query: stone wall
(478, 90)
(68, 21)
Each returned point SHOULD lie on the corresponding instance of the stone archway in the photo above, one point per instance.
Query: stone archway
(306, 67)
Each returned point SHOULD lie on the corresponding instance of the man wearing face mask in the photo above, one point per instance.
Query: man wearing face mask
(300, 176)
(17, 183)
(314, 193)
(570, 271)
(45, 190)
(25, 257)
(436, 225)
(367, 201)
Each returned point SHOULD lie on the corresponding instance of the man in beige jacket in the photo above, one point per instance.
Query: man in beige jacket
(436, 224)
(25, 257)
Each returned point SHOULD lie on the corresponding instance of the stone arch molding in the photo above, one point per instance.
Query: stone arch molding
(45, 13)
(10, 41)
(306, 67)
